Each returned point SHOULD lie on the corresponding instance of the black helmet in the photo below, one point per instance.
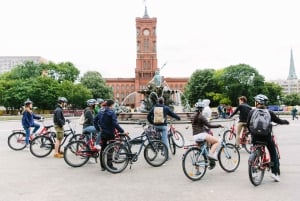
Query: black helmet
(62, 100)
(27, 102)
(261, 99)
(91, 102)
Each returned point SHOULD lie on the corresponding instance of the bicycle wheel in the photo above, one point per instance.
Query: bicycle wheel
(229, 137)
(178, 139)
(156, 153)
(194, 164)
(172, 145)
(229, 157)
(76, 153)
(256, 174)
(41, 146)
(16, 141)
(115, 157)
(248, 142)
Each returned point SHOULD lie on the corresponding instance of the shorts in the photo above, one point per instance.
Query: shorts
(59, 132)
(200, 136)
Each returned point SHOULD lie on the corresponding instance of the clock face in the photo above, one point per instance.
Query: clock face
(146, 32)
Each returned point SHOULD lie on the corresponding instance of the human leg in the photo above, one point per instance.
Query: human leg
(59, 137)
(27, 132)
(36, 127)
(239, 129)
(274, 160)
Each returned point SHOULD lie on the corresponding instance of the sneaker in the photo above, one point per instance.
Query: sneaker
(58, 155)
(213, 157)
(98, 147)
(27, 147)
(275, 177)
(197, 172)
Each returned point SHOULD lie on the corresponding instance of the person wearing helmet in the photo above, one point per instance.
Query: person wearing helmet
(102, 107)
(59, 122)
(28, 121)
(162, 126)
(261, 103)
(206, 110)
(243, 108)
(98, 105)
(201, 127)
(88, 124)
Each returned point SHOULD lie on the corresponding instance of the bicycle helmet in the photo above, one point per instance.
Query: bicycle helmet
(100, 101)
(27, 102)
(199, 105)
(91, 102)
(261, 99)
(62, 100)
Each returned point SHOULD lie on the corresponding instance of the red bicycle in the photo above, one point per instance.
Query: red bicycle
(259, 161)
(245, 140)
(16, 140)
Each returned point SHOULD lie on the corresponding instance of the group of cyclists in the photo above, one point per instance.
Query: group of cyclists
(100, 118)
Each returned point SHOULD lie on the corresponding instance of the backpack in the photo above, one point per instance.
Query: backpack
(158, 115)
(260, 122)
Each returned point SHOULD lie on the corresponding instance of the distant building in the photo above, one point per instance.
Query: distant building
(146, 65)
(9, 62)
(292, 83)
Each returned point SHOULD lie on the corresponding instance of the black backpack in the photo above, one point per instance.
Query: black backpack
(260, 122)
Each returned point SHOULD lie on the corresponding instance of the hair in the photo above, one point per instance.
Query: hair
(195, 119)
(243, 98)
(109, 103)
(161, 100)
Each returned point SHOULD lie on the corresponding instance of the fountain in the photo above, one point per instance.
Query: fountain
(155, 89)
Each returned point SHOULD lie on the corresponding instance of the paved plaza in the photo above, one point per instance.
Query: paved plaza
(27, 178)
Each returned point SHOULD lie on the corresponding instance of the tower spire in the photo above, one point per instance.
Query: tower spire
(292, 73)
(146, 13)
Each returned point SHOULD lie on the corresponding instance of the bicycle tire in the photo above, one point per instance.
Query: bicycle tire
(194, 164)
(248, 142)
(41, 146)
(256, 174)
(76, 154)
(178, 139)
(156, 153)
(229, 137)
(172, 145)
(115, 157)
(16, 141)
(229, 157)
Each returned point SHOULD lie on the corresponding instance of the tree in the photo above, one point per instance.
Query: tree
(292, 99)
(273, 92)
(200, 84)
(240, 80)
(96, 84)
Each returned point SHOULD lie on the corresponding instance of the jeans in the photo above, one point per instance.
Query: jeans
(98, 138)
(164, 133)
(27, 132)
(88, 130)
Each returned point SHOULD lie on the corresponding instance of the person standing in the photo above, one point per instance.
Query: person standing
(243, 108)
(107, 123)
(294, 113)
(88, 124)
(59, 122)
(261, 104)
(97, 125)
(28, 121)
(162, 123)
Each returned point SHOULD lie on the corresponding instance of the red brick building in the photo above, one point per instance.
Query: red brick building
(146, 65)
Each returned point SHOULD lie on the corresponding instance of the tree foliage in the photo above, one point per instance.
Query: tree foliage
(94, 81)
(292, 99)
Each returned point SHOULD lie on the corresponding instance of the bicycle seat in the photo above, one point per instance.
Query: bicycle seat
(200, 142)
(47, 127)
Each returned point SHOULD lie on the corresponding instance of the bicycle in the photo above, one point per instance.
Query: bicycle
(77, 153)
(195, 161)
(259, 161)
(41, 146)
(245, 138)
(175, 138)
(16, 140)
(117, 155)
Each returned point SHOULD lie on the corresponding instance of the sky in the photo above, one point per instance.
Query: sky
(100, 35)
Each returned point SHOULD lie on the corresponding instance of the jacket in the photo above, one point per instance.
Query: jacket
(28, 119)
(106, 121)
(166, 111)
(244, 110)
(58, 117)
(201, 124)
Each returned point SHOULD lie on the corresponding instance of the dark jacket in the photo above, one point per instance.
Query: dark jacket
(58, 116)
(201, 124)
(244, 110)
(107, 122)
(88, 118)
(166, 110)
(28, 119)
(274, 118)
